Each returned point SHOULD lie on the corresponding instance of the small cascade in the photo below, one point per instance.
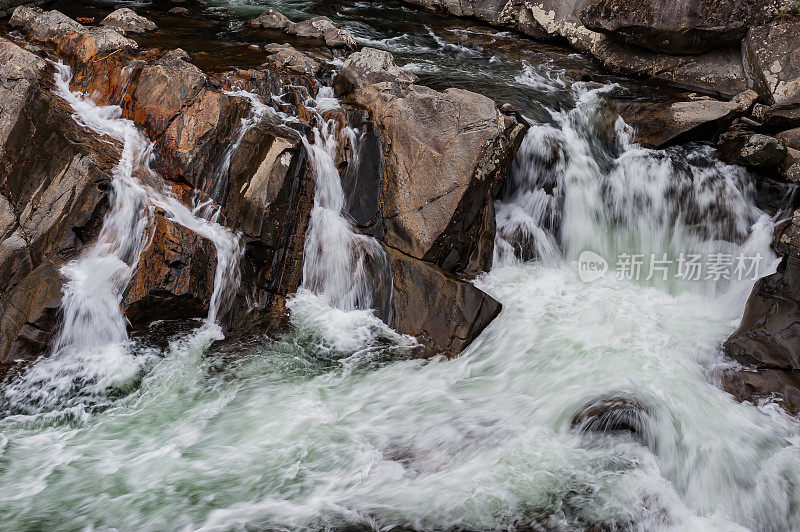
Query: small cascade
(92, 353)
(581, 184)
(349, 269)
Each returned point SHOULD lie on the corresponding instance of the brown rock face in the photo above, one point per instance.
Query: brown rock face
(677, 26)
(768, 339)
(772, 61)
(444, 313)
(54, 176)
(174, 278)
(444, 156)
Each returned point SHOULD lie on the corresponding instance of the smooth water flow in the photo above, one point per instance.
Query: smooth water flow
(91, 353)
(332, 426)
(349, 269)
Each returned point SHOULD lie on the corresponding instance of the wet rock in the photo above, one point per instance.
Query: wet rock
(767, 341)
(270, 19)
(127, 21)
(43, 25)
(444, 313)
(324, 29)
(174, 278)
(320, 28)
(752, 150)
(71, 39)
(790, 138)
(784, 115)
(445, 154)
(163, 88)
(181, 11)
(369, 66)
(660, 124)
(772, 60)
(195, 142)
(54, 178)
(677, 26)
(285, 57)
(612, 414)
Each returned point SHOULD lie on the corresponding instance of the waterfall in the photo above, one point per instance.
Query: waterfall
(347, 268)
(568, 193)
(91, 352)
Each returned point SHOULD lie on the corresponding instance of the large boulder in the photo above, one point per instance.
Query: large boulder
(43, 25)
(771, 55)
(752, 150)
(660, 124)
(126, 20)
(174, 278)
(444, 155)
(369, 66)
(444, 313)
(163, 88)
(677, 26)
(270, 20)
(767, 341)
(318, 28)
(791, 138)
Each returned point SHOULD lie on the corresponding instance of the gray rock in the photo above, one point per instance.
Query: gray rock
(284, 56)
(43, 25)
(323, 28)
(369, 66)
(677, 26)
(791, 138)
(752, 150)
(270, 19)
(771, 55)
(127, 21)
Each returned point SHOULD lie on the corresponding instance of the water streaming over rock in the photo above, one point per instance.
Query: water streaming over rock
(91, 353)
(350, 269)
(324, 428)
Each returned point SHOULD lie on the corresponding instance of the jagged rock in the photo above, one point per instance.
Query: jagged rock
(174, 278)
(163, 88)
(790, 138)
(195, 141)
(444, 313)
(71, 39)
(772, 61)
(369, 66)
(752, 150)
(783, 115)
(767, 341)
(43, 25)
(323, 28)
(677, 26)
(270, 19)
(54, 177)
(285, 57)
(660, 124)
(445, 154)
(127, 21)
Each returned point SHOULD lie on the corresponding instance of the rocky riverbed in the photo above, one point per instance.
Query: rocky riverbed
(279, 195)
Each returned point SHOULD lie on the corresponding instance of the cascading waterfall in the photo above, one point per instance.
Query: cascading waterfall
(92, 352)
(347, 268)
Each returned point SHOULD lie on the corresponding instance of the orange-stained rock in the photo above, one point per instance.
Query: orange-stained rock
(163, 89)
(174, 278)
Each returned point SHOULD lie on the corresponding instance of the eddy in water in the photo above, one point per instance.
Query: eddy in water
(381, 302)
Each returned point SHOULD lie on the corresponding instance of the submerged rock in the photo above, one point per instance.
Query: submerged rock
(174, 278)
(127, 21)
(612, 414)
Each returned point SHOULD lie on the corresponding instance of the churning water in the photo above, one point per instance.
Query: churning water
(332, 426)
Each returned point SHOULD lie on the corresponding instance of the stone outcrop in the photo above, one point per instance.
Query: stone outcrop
(71, 39)
(369, 66)
(126, 20)
(677, 26)
(772, 61)
(174, 278)
(317, 28)
(766, 342)
(661, 124)
(51, 207)
(752, 150)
